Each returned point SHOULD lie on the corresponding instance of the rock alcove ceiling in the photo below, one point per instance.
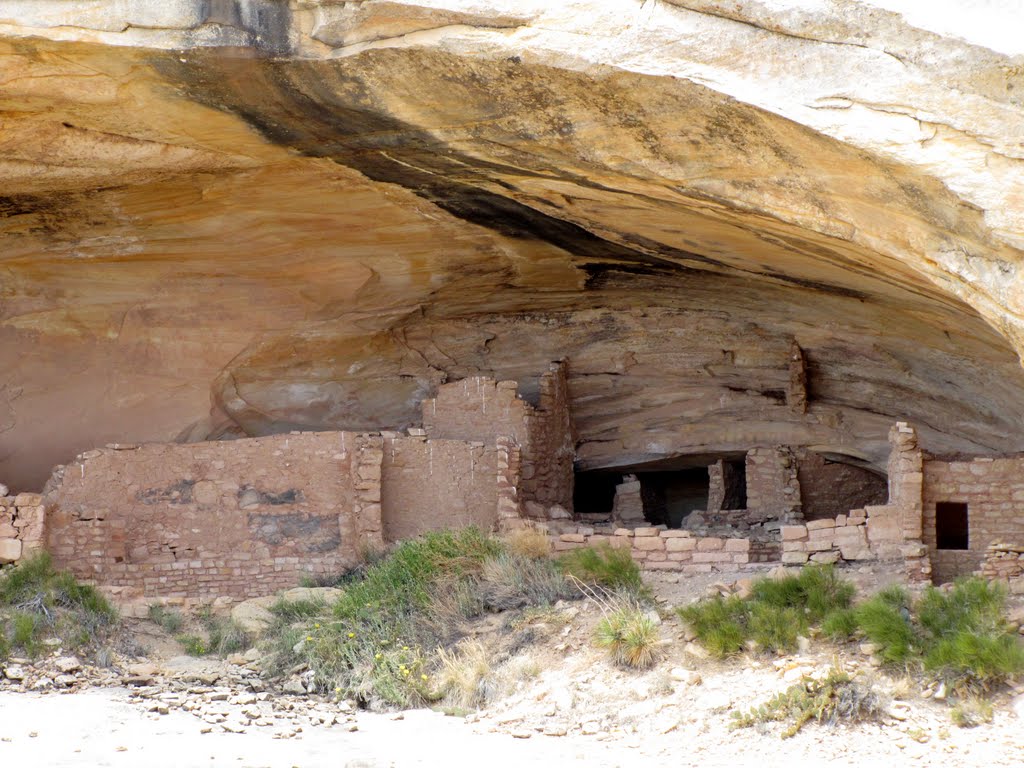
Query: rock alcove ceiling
(224, 219)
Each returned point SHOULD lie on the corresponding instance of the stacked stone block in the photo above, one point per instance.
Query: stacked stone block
(1004, 562)
(773, 489)
(657, 548)
(22, 525)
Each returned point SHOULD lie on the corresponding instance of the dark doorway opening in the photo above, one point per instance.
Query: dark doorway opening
(734, 484)
(951, 525)
(593, 493)
(669, 497)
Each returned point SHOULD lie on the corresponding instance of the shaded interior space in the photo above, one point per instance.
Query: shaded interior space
(832, 485)
(951, 525)
(670, 497)
(593, 492)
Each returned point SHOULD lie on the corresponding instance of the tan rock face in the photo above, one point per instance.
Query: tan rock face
(244, 223)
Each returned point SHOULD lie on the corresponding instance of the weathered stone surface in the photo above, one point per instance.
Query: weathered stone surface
(199, 242)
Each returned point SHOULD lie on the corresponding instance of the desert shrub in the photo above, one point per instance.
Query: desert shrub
(629, 636)
(840, 624)
(774, 628)
(169, 618)
(838, 697)
(296, 610)
(227, 636)
(885, 621)
(463, 675)
(528, 542)
(193, 645)
(775, 614)
(42, 602)
(605, 566)
(815, 591)
(370, 643)
(971, 712)
(720, 623)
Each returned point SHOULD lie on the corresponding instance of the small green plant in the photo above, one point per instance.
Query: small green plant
(194, 645)
(630, 637)
(41, 602)
(605, 566)
(885, 621)
(720, 623)
(169, 619)
(971, 713)
(840, 624)
(836, 697)
(297, 610)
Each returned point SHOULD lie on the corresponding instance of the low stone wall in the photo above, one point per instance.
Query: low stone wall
(657, 548)
(22, 526)
(1004, 562)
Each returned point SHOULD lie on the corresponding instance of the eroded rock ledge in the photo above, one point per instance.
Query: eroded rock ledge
(224, 219)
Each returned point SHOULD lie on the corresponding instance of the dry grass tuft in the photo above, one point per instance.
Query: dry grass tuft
(529, 543)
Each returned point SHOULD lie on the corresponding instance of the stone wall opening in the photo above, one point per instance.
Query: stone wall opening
(670, 497)
(832, 485)
(952, 528)
(594, 492)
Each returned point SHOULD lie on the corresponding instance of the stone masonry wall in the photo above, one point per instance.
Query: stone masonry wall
(483, 410)
(890, 531)
(829, 489)
(240, 518)
(773, 489)
(22, 525)
(429, 484)
(1004, 562)
(658, 548)
(993, 489)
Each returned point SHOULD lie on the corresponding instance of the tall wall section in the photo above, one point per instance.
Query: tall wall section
(482, 410)
(240, 518)
(993, 489)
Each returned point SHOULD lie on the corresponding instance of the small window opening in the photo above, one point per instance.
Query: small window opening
(951, 528)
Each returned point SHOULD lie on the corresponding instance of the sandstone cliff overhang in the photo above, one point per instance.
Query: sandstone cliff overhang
(224, 219)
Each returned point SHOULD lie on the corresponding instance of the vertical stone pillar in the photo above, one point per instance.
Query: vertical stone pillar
(366, 468)
(716, 486)
(509, 469)
(773, 490)
(628, 507)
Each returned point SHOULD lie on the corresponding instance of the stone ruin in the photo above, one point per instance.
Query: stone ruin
(242, 518)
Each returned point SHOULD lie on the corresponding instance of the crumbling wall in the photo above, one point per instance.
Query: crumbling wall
(1004, 562)
(773, 488)
(22, 525)
(890, 531)
(993, 489)
(830, 488)
(240, 518)
(430, 484)
(479, 409)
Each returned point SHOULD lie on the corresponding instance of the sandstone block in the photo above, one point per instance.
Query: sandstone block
(793, 532)
(649, 543)
(10, 550)
(816, 525)
(825, 557)
(574, 537)
(737, 545)
(681, 545)
(710, 544)
(794, 558)
(649, 531)
(711, 557)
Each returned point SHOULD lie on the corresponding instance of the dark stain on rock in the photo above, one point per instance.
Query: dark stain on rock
(175, 493)
(249, 496)
(296, 532)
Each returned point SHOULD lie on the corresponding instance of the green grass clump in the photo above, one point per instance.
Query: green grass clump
(777, 612)
(194, 645)
(720, 623)
(378, 642)
(838, 697)
(605, 566)
(840, 625)
(296, 610)
(885, 621)
(169, 619)
(630, 637)
(37, 602)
